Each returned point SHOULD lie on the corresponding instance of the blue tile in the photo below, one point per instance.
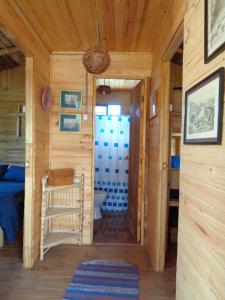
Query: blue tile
(126, 171)
(100, 156)
(117, 171)
(115, 191)
(96, 143)
(110, 157)
(119, 119)
(109, 203)
(121, 132)
(102, 130)
(121, 191)
(107, 170)
(96, 169)
(99, 117)
(125, 145)
(120, 157)
(111, 131)
(106, 144)
(116, 145)
(109, 118)
(114, 204)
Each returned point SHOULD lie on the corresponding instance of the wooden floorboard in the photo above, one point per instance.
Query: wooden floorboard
(49, 279)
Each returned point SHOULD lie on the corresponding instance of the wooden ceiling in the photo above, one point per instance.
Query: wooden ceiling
(10, 56)
(118, 84)
(70, 25)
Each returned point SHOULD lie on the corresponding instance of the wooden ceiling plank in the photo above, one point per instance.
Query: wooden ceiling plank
(8, 50)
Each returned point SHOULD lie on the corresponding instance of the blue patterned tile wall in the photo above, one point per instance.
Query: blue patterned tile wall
(111, 170)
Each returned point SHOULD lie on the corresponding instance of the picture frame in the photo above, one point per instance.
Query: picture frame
(204, 110)
(70, 123)
(154, 104)
(214, 28)
(71, 99)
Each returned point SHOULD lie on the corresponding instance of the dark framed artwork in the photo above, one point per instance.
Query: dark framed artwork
(214, 28)
(71, 99)
(204, 110)
(70, 123)
(154, 104)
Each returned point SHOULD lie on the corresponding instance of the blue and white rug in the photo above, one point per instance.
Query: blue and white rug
(104, 280)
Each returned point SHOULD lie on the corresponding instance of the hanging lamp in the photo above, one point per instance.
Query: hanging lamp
(96, 60)
(104, 89)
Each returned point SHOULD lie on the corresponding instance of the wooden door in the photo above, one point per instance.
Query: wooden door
(134, 161)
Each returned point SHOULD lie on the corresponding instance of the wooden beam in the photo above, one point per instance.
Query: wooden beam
(8, 50)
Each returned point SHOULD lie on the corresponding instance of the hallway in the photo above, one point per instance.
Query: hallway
(49, 279)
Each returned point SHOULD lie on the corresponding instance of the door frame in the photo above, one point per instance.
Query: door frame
(141, 179)
(29, 165)
(164, 147)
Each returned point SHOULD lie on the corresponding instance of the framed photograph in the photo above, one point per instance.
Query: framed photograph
(70, 123)
(71, 100)
(214, 28)
(153, 104)
(204, 110)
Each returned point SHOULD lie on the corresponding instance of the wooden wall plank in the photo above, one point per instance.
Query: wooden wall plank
(201, 242)
(76, 150)
(12, 95)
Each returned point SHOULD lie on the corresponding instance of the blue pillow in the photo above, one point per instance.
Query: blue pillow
(15, 173)
(3, 169)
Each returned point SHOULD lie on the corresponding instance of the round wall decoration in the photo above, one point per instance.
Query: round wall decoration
(46, 98)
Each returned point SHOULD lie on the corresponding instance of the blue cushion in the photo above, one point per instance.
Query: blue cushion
(15, 173)
(3, 169)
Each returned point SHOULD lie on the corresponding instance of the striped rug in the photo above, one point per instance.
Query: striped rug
(104, 280)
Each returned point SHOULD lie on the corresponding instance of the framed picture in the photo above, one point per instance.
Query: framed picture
(204, 110)
(214, 28)
(153, 104)
(71, 100)
(70, 123)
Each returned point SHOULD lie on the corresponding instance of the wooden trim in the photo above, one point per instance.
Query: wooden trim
(164, 161)
(164, 149)
(29, 180)
(93, 157)
(144, 92)
(175, 44)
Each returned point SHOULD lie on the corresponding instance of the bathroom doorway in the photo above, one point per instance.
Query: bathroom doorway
(117, 148)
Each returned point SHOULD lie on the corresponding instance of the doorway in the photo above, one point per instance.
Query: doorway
(12, 144)
(171, 92)
(118, 132)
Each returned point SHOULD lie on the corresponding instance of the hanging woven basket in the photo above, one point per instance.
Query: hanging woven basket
(96, 60)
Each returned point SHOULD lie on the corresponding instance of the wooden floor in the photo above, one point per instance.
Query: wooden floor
(112, 228)
(49, 279)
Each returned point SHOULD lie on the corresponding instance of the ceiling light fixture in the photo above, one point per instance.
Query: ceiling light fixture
(104, 89)
(96, 60)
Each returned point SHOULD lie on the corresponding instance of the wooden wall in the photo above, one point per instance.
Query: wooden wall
(12, 95)
(171, 22)
(201, 238)
(37, 132)
(121, 98)
(76, 150)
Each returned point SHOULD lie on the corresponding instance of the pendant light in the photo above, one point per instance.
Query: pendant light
(104, 89)
(96, 60)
